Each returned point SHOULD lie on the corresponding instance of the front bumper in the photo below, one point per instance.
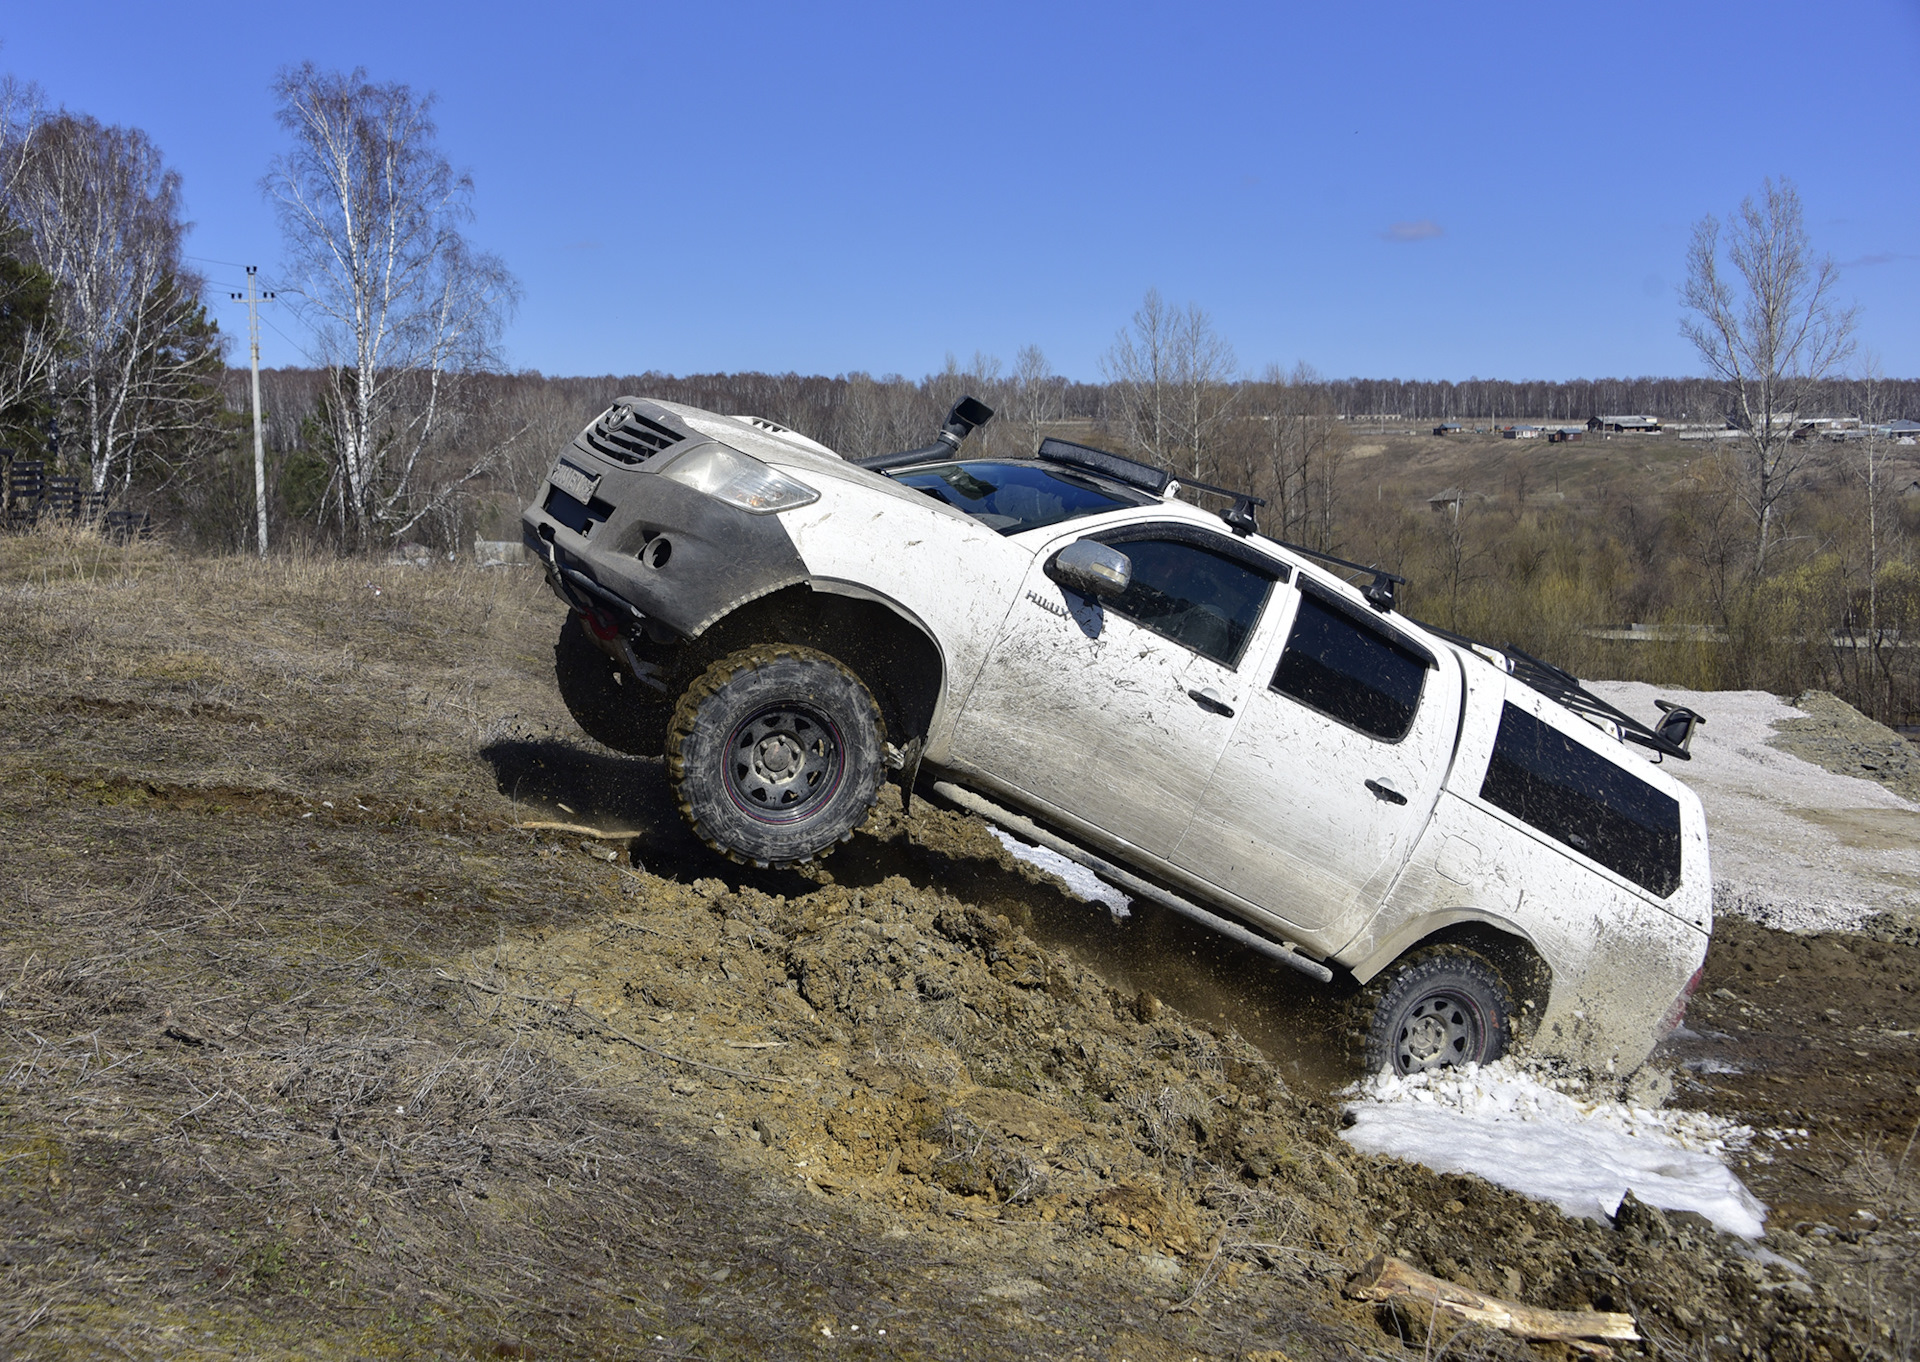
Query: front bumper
(676, 559)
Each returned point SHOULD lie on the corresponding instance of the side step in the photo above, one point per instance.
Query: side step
(1283, 951)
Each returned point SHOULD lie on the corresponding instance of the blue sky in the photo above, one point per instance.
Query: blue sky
(1413, 190)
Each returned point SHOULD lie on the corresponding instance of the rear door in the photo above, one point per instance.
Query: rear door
(1332, 770)
(1116, 712)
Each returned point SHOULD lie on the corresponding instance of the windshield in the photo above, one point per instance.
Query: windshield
(1012, 497)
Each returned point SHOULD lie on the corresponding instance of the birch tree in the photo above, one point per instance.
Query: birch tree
(134, 357)
(401, 307)
(29, 341)
(1173, 376)
(1762, 313)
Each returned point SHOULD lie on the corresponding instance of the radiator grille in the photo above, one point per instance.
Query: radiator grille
(625, 436)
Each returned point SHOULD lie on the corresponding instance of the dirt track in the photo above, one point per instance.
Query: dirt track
(309, 1050)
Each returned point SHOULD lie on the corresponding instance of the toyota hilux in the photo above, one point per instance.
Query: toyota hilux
(1244, 731)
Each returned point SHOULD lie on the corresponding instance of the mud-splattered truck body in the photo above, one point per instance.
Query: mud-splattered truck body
(1218, 720)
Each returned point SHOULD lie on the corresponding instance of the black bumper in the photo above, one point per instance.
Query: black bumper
(676, 558)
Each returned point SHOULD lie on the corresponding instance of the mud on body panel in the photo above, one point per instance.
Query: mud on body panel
(1617, 961)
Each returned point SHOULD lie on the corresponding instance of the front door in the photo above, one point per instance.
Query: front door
(1115, 712)
(1332, 770)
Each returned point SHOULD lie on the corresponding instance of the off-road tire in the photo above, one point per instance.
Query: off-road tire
(1434, 1009)
(776, 754)
(609, 705)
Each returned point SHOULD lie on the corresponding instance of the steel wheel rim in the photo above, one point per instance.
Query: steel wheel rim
(1440, 1029)
(783, 762)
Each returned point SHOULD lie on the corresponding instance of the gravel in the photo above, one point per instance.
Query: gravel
(1812, 812)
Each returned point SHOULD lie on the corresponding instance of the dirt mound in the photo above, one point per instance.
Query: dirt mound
(1836, 736)
(892, 1046)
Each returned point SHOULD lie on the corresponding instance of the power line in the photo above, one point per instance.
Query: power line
(304, 352)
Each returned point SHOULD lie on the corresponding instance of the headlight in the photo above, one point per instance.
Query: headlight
(736, 479)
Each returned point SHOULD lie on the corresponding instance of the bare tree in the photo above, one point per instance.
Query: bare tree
(137, 358)
(1875, 414)
(29, 331)
(1304, 447)
(1174, 377)
(401, 308)
(878, 416)
(1766, 323)
(1038, 396)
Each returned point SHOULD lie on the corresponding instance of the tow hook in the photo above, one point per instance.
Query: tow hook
(617, 645)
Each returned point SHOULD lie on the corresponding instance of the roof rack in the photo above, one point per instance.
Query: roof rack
(1380, 592)
(1239, 516)
(1558, 684)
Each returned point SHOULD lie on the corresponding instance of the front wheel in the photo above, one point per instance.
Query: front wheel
(776, 753)
(1433, 1010)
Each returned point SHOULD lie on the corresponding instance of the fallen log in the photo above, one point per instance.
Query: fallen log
(1386, 1278)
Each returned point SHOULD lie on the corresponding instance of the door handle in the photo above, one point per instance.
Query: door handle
(1386, 792)
(1209, 699)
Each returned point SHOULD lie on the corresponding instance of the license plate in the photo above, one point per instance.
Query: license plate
(576, 484)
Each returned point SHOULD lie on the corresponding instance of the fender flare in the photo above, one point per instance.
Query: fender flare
(1429, 925)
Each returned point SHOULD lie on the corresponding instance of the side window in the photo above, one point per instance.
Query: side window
(1579, 798)
(1201, 600)
(1363, 677)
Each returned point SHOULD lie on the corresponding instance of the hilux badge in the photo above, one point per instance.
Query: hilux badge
(576, 484)
(1046, 604)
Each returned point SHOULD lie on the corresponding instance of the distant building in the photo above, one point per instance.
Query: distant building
(1625, 425)
(1448, 500)
(1565, 435)
(1448, 428)
(1520, 432)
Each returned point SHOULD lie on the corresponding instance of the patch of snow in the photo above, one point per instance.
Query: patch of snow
(1509, 1127)
(1774, 860)
(1082, 881)
(1766, 1257)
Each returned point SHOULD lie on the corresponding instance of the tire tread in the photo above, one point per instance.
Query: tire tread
(708, 684)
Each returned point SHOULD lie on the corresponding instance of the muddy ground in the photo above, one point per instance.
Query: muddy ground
(309, 1047)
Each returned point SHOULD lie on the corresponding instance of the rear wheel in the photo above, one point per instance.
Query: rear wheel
(776, 754)
(1433, 1010)
(604, 699)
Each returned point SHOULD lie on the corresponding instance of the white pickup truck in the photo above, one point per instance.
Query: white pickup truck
(1458, 835)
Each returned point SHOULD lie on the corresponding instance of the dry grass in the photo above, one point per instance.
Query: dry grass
(257, 836)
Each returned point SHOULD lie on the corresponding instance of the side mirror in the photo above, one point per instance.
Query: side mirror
(1678, 723)
(1091, 568)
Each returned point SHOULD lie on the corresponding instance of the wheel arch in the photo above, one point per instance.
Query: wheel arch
(886, 644)
(1527, 972)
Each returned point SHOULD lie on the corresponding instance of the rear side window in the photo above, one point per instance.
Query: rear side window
(1364, 678)
(1202, 600)
(1576, 796)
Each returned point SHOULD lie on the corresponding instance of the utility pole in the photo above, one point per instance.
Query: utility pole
(253, 301)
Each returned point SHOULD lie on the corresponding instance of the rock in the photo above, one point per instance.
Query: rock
(1637, 1220)
(1160, 1268)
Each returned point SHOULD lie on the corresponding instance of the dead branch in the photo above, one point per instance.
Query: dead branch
(575, 829)
(1385, 1278)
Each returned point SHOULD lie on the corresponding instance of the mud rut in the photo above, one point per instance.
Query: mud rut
(309, 1049)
